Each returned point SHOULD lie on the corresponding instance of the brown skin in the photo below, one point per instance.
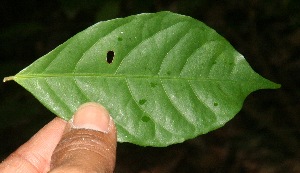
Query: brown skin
(71, 149)
(85, 150)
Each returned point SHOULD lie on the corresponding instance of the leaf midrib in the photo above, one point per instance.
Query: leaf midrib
(30, 76)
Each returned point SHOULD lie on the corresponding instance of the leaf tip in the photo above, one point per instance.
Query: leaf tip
(277, 86)
(9, 78)
(271, 85)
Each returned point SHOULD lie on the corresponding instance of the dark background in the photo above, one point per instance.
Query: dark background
(263, 137)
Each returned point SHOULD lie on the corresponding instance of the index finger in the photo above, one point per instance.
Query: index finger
(35, 154)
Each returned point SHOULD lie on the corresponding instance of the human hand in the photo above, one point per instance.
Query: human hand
(87, 143)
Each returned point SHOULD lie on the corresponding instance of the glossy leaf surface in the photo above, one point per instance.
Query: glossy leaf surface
(164, 77)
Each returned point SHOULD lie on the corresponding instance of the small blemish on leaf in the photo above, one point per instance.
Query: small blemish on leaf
(142, 101)
(216, 104)
(110, 56)
(145, 119)
(153, 85)
(168, 73)
(120, 39)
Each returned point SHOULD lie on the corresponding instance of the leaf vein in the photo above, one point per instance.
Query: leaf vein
(28, 76)
(49, 64)
(200, 100)
(97, 41)
(175, 106)
(157, 123)
(131, 93)
(57, 96)
(142, 41)
(81, 92)
(165, 56)
(215, 57)
(194, 51)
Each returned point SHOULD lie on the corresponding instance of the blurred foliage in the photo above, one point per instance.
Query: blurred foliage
(263, 137)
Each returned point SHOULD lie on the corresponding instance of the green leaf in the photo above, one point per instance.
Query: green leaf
(168, 77)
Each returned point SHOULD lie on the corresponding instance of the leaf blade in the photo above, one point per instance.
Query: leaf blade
(169, 72)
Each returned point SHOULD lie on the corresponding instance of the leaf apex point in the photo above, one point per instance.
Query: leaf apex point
(277, 86)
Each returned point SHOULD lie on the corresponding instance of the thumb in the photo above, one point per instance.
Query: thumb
(88, 143)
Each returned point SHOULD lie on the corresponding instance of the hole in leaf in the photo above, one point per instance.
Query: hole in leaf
(110, 56)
